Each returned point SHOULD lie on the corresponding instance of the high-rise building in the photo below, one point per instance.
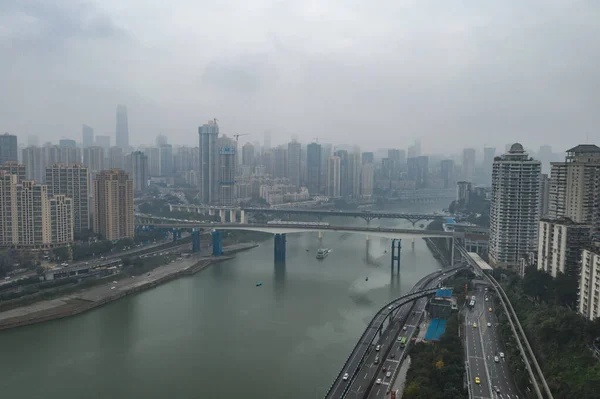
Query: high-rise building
(69, 155)
(185, 159)
(354, 167)
(248, 154)
(367, 177)
(87, 136)
(166, 159)
(226, 170)
(33, 140)
(368, 157)
(294, 156)
(15, 168)
(34, 164)
(546, 156)
(544, 195)
(344, 186)
(489, 153)
(560, 243)
(418, 171)
(575, 187)
(116, 158)
(514, 209)
(136, 164)
(72, 181)
(67, 143)
(9, 224)
(61, 220)
(279, 162)
(267, 141)
(468, 164)
(93, 158)
(313, 168)
(326, 152)
(122, 130)
(208, 161)
(589, 284)
(447, 173)
(161, 139)
(333, 176)
(113, 204)
(153, 154)
(33, 215)
(8, 148)
(104, 142)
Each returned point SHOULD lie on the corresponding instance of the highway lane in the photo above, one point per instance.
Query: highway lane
(411, 324)
(478, 367)
(501, 379)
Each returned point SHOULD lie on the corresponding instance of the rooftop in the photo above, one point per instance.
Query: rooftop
(585, 148)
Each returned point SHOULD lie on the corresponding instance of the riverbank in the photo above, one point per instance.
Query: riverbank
(90, 298)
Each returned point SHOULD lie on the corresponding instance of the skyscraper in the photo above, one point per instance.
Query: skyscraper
(489, 153)
(113, 204)
(344, 186)
(15, 168)
(34, 165)
(166, 159)
(122, 130)
(468, 164)
(104, 142)
(313, 168)
(279, 160)
(72, 181)
(8, 209)
(67, 143)
(560, 244)
(8, 148)
(116, 158)
(447, 173)
(61, 220)
(368, 157)
(367, 176)
(87, 136)
(33, 215)
(248, 154)
(161, 139)
(136, 164)
(418, 171)
(544, 195)
(294, 156)
(514, 210)
(575, 187)
(333, 176)
(226, 170)
(354, 167)
(208, 161)
(153, 154)
(93, 158)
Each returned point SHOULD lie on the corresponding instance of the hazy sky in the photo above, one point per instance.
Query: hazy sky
(377, 74)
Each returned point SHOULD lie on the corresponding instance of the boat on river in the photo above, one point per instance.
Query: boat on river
(322, 253)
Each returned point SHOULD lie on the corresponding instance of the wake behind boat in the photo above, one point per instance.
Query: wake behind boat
(322, 253)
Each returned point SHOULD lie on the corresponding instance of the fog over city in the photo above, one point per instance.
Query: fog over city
(374, 74)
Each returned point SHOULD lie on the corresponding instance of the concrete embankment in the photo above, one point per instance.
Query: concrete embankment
(109, 291)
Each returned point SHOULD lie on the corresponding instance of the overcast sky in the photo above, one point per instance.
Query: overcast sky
(376, 74)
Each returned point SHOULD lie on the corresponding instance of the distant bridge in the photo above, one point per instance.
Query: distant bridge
(282, 228)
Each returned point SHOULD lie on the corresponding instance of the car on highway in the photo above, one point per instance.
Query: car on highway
(378, 381)
(390, 307)
(376, 360)
(496, 389)
(489, 324)
(384, 369)
(477, 380)
(345, 377)
(486, 298)
(377, 348)
(501, 355)
(112, 288)
(393, 355)
(496, 359)
(474, 325)
(388, 374)
(404, 328)
(490, 309)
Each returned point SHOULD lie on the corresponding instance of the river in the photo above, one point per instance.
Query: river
(218, 335)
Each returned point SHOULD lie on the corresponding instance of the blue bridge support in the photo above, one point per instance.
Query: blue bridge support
(279, 248)
(217, 243)
(396, 255)
(195, 241)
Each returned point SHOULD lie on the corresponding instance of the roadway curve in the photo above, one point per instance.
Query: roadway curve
(353, 364)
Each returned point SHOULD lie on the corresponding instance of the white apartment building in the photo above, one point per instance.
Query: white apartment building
(514, 208)
(560, 243)
(333, 176)
(589, 285)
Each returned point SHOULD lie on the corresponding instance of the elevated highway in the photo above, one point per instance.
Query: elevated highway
(374, 333)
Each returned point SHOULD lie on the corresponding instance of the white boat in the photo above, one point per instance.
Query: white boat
(322, 253)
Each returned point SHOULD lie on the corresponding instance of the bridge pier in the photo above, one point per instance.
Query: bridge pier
(217, 243)
(320, 235)
(195, 241)
(223, 215)
(211, 211)
(279, 248)
(396, 256)
(243, 217)
(412, 244)
(452, 256)
(232, 216)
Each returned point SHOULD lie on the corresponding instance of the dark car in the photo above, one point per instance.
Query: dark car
(393, 355)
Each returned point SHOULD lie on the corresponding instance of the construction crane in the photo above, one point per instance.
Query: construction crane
(237, 136)
(316, 139)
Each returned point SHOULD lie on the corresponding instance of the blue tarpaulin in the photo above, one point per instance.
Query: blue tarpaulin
(436, 328)
(445, 293)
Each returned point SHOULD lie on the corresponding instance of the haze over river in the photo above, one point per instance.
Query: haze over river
(216, 334)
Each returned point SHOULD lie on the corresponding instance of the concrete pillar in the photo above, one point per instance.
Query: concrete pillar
(232, 215)
(320, 235)
(222, 215)
(279, 248)
(195, 241)
(452, 256)
(211, 211)
(217, 243)
(243, 217)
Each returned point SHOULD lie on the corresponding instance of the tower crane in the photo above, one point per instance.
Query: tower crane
(237, 136)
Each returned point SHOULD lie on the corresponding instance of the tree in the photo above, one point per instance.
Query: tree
(439, 364)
